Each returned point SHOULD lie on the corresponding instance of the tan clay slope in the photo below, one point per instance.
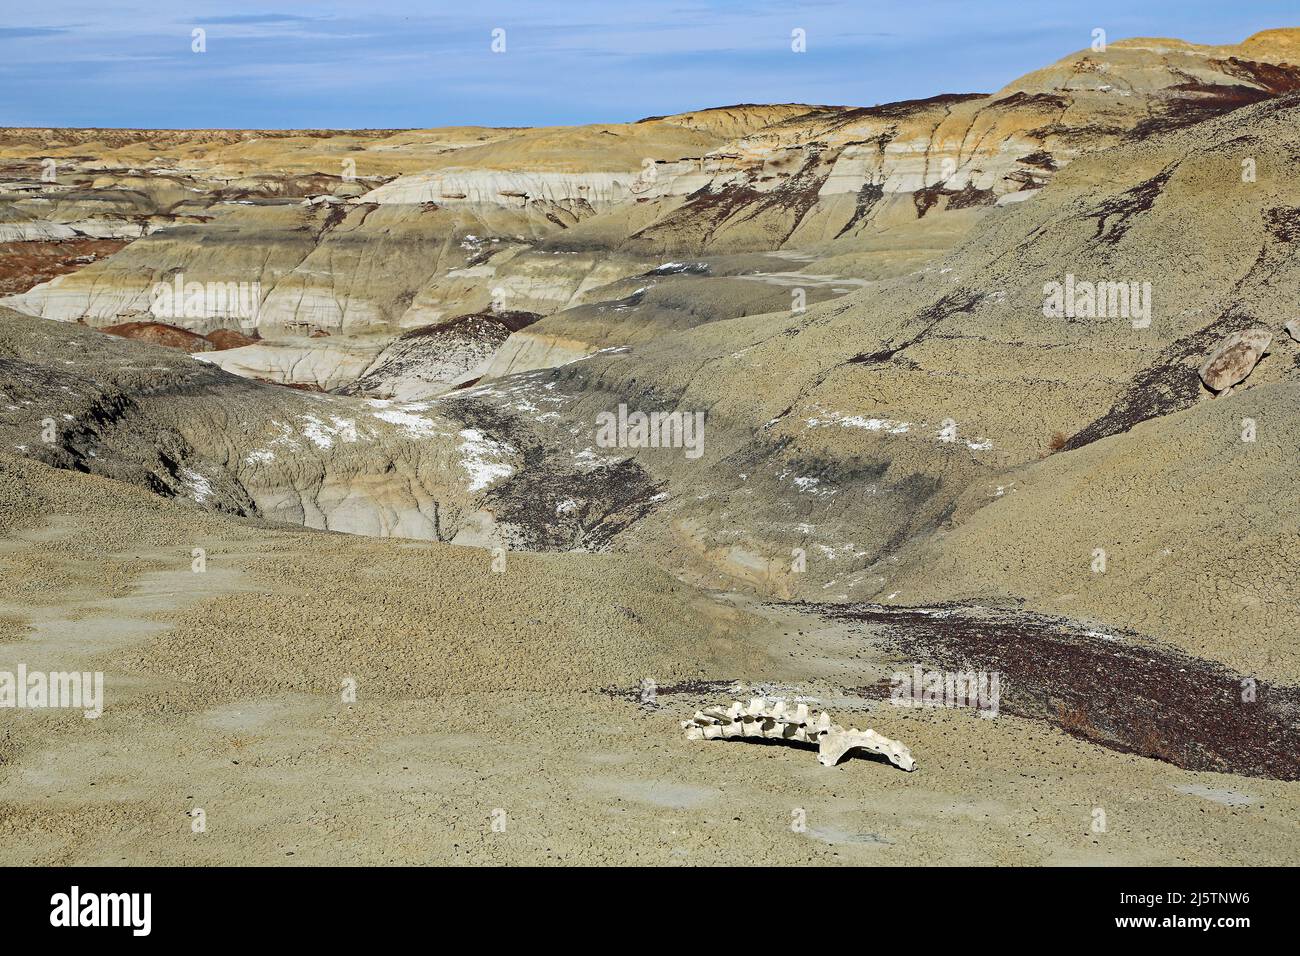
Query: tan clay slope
(553, 622)
(1201, 546)
(1282, 43)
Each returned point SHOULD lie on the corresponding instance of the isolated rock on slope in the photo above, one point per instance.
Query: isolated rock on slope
(1235, 357)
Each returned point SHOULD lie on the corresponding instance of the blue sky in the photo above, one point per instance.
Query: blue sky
(402, 63)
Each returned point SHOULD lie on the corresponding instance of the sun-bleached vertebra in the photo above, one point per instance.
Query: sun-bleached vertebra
(775, 720)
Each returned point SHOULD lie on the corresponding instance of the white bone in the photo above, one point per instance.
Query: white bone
(761, 719)
(834, 746)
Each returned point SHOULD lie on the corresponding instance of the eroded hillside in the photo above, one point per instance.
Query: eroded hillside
(620, 420)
